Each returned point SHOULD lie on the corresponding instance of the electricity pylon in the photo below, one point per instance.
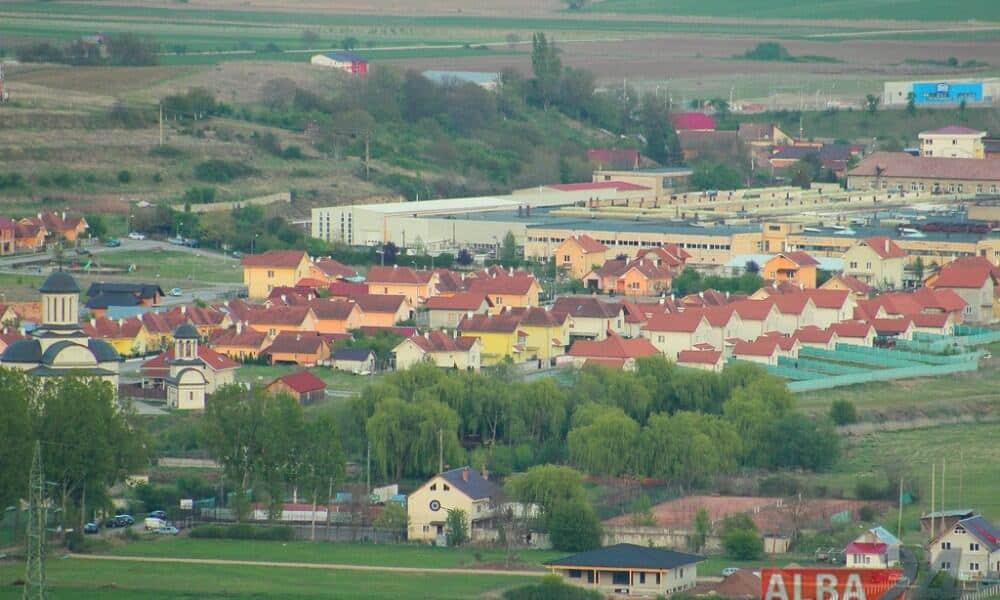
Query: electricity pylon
(34, 581)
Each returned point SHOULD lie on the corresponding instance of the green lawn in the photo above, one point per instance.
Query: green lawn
(81, 579)
(971, 451)
(335, 380)
(173, 264)
(394, 555)
(918, 10)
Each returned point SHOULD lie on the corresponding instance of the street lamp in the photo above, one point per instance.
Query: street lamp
(253, 242)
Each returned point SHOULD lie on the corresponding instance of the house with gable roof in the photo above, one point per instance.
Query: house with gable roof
(795, 267)
(671, 333)
(578, 255)
(416, 285)
(444, 312)
(547, 333)
(877, 261)
(969, 550)
(629, 570)
(462, 488)
(876, 548)
(590, 317)
(613, 351)
(274, 268)
(977, 282)
(304, 386)
(445, 351)
(501, 336)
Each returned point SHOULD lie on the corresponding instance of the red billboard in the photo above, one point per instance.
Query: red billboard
(826, 583)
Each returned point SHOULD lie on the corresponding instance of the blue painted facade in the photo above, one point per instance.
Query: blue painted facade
(948, 93)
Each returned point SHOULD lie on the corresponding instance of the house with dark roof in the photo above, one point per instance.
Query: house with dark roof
(360, 361)
(463, 488)
(590, 317)
(629, 570)
(302, 385)
(969, 550)
(102, 295)
(448, 352)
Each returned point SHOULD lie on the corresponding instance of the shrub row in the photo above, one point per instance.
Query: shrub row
(243, 532)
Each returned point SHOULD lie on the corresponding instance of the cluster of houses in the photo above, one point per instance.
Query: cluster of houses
(30, 234)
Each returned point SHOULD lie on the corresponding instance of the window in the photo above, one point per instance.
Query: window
(642, 577)
(854, 264)
(270, 274)
(619, 578)
(575, 573)
(974, 547)
(565, 258)
(973, 566)
(434, 487)
(868, 265)
(657, 579)
(946, 545)
(681, 572)
(446, 488)
(945, 564)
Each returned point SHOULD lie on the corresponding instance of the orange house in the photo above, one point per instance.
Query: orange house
(644, 278)
(281, 318)
(29, 235)
(299, 347)
(336, 316)
(580, 254)
(378, 310)
(795, 267)
(519, 290)
(416, 285)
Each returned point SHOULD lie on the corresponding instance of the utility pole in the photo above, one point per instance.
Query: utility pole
(933, 469)
(944, 465)
(961, 474)
(899, 518)
(440, 451)
(368, 156)
(368, 468)
(161, 123)
(34, 579)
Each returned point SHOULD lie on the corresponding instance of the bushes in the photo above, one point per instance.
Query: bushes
(199, 195)
(552, 587)
(743, 544)
(867, 488)
(124, 176)
(243, 532)
(11, 181)
(217, 170)
(843, 412)
(166, 151)
(574, 527)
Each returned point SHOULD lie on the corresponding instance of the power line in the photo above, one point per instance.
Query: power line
(34, 580)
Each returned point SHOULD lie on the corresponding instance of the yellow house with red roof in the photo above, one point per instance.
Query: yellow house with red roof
(578, 255)
(274, 268)
(501, 336)
(416, 285)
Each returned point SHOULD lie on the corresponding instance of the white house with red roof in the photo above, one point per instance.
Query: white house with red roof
(877, 261)
(857, 332)
(794, 311)
(757, 317)
(975, 280)
(445, 351)
(304, 386)
(766, 349)
(825, 338)
(444, 312)
(671, 333)
(705, 360)
(876, 548)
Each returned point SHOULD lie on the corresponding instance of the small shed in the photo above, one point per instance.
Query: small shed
(360, 361)
(303, 385)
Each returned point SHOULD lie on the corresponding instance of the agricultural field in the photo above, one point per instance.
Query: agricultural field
(73, 579)
(848, 10)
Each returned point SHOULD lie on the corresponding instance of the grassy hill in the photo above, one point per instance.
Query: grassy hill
(901, 10)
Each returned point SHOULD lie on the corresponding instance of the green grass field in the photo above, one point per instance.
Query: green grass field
(173, 264)
(970, 450)
(71, 579)
(335, 380)
(915, 10)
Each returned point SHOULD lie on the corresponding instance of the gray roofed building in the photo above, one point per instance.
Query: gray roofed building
(60, 282)
(629, 569)
(471, 482)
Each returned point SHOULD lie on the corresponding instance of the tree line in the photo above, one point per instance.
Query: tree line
(88, 441)
(122, 50)
(662, 421)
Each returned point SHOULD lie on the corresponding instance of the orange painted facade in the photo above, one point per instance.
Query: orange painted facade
(781, 269)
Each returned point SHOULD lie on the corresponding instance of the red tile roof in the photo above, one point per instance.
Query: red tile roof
(380, 303)
(762, 346)
(503, 323)
(449, 281)
(275, 258)
(296, 342)
(944, 299)
(278, 315)
(717, 316)
(692, 120)
(866, 548)
(853, 284)
(159, 365)
(7, 225)
(628, 156)
(962, 277)
(884, 247)
(586, 307)
(334, 269)
(588, 244)
(687, 321)
(790, 304)
(699, 357)
(401, 331)
(810, 334)
(330, 309)
(613, 346)
(753, 310)
(891, 326)
(620, 186)
(852, 329)
(936, 320)
(518, 285)
(800, 258)
(902, 164)
(246, 338)
(398, 275)
(535, 316)
(302, 382)
(827, 298)
(344, 289)
(105, 328)
(438, 341)
(468, 301)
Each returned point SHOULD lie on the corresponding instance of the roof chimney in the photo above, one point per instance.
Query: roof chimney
(184, 309)
(239, 327)
(465, 474)
(93, 322)
(887, 245)
(395, 266)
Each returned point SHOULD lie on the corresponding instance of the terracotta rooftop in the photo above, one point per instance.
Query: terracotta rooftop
(852, 329)
(884, 247)
(954, 130)
(330, 309)
(159, 365)
(901, 164)
(334, 269)
(439, 341)
(398, 275)
(301, 382)
(586, 307)
(503, 323)
(800, 258)
(467, 301)
(613, 346)
(380, 303)
(687, 322)
(810, 334)
(699, 357)
(278, 315)
(587, 243)
(296, 342)
(275, 258)
(245, 338)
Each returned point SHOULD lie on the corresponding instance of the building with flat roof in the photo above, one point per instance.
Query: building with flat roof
(942, 91)
(952, 141)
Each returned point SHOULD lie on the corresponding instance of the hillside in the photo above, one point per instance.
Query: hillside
(859, 10)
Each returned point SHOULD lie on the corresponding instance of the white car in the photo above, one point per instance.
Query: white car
(729, 571)
(135, 235)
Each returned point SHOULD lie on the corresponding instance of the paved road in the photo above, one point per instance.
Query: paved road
(303, 565)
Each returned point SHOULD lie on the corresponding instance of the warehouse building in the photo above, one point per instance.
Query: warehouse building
(942, 92)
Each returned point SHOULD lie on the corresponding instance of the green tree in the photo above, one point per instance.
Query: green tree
(393, 518)
(574, 527)
(547, 68)
(911, 104)
(843, 412)
(16, 433)
(350, 43)
(607, 446)
(662, 144)
(552, 587)
(871, 103)
(97, 225)
(802, 442)
(321, 462)
(702, 529)
(754, 409)
(743, 544)
(689, 446)
(129, 49)
(547, 486)
(715, 176)
(508, 250)
(405, 436)
(456, 527)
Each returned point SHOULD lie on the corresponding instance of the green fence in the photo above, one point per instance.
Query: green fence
(846, 354)
(825, 367)
(923, 370)
(895, 354)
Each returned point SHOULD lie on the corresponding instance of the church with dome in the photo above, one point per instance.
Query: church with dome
(58, 346)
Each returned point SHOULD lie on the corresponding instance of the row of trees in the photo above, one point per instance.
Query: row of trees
(88, 443)
(122, 49)
(662, 421)
(264, 442)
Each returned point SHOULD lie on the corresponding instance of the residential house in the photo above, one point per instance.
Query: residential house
(60, 225)
(953, 141)
(216, 369)
(977, 282)
(515, 289)
(444, 312)
(877, 261)
(644, 278)
(942, 520)
(501, 336)
(766, 349)
(274, 268)
(360, 361)
(794, 311)
(857, 333)
(578, 255)
(127, 336)
(346, 290)
(968, 551)
(590, 317)
(876, 548)
(8, 236)
(763, 135)
(825, 338)
(302, 385)
(305, 348)
(671, 333)
(159, 330)
(629, 570)
(336, 316)
(830, 305)
(692, 121)
(275, 320)
(796, 267)
(853, 285)
(416, 285)
(378, 310)
(757, 317)
(8, 315)
(102, 296)
(547, 333)
(29, 236)
(614, 158)
(724, 321)
(445, 351)
(463, 489)
(207, 320)
(705, 360)
(239, 343)
(614, 351)
(937, 324)
(901, 328)
(329, 270)
(449, 282)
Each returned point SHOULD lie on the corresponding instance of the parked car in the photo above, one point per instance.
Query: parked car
(159, 514)
(128, 520)
(175, 292)
(192, 243)
(167, 530)
(729, 571)
(91, 528)
(237, 254)
(83, 252)
(177, 241)
(135, 235)
(113, 243)
(153, 524)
